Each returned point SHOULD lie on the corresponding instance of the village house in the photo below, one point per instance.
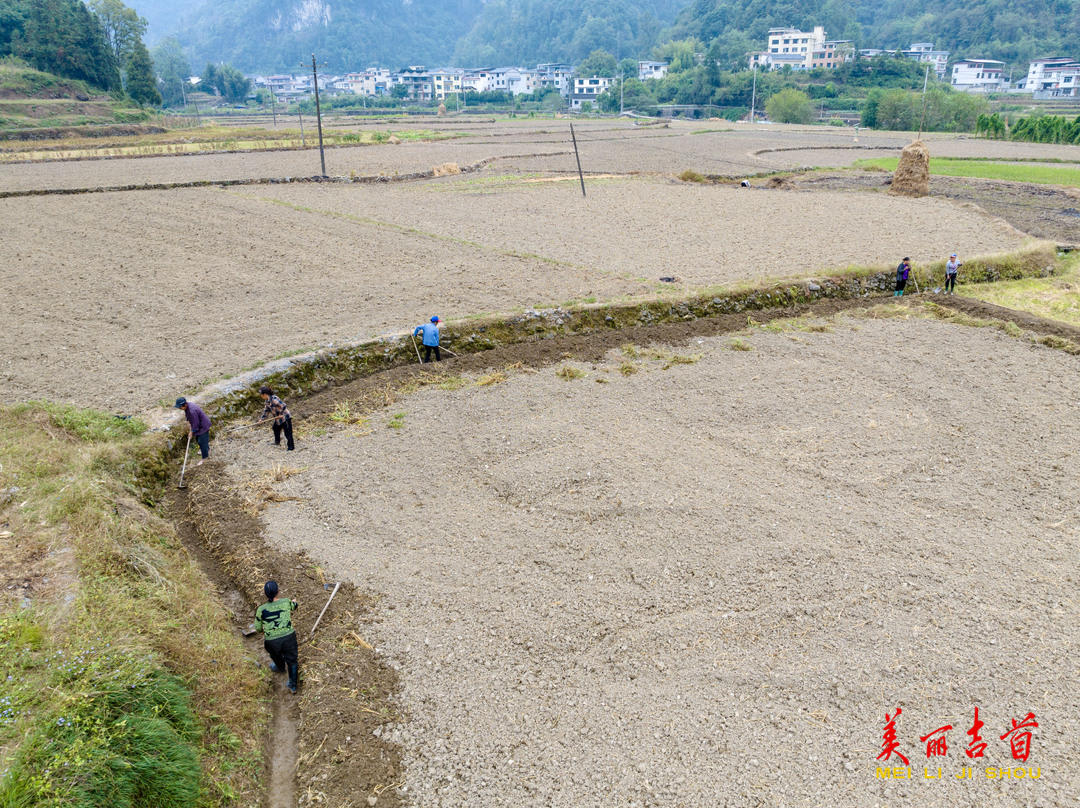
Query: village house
(588, 90)
(651, 70)
(1053, 77)
(555, 74)
(978, 75)
(801, 50)
(417, 81)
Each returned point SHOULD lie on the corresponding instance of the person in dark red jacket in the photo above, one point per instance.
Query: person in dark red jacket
(198, 423)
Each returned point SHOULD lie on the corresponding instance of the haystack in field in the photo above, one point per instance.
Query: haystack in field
(442, 109)
(912, 177)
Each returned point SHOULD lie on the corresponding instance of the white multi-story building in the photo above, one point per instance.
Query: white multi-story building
(513, 80)
(373, 81)
(790, 47)
(446, 81)
(588, 89)
(417, 81)
(924, 52)
(477, 79)
(1054, 77)
(651, 70)
(978, 75)
(555, 75)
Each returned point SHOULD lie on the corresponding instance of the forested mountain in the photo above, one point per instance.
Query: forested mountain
(1011, 30)
(530, 31)
(266, 35)
(61, 37)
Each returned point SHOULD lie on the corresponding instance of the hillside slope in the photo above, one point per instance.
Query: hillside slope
(31, 99)
(530, 31)
(268, 35)
(1014, 31)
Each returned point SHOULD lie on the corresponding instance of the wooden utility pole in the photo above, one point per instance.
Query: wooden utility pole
(922, 120)
(578, 158)
(318, 113)
(753, 94)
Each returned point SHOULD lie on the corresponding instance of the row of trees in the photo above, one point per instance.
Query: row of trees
(942, 110)
(1033, 129)
(100, 44)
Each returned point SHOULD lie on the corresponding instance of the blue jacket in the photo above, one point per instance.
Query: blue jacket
(430, 332)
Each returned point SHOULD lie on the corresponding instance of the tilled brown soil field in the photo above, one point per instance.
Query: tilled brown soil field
(702, 575)
(123, 300)
(1047, 211)
(607, 146)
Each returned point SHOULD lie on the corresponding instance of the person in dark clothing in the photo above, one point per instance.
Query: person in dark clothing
(198, 423)
(274, 620)
(430, 339)
(903, 271)
(276, 409)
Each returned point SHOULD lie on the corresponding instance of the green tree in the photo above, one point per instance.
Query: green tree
(63, 37)
(789, 106)
(173, 70)
(226, 81)
(679, 54)
(123, 29)
(399, 91)
(141, 83)
(598, 63)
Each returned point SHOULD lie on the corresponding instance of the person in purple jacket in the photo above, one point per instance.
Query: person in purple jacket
(198, 423)
(902, 273)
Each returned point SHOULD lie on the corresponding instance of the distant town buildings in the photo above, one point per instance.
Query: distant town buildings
(1050, 77)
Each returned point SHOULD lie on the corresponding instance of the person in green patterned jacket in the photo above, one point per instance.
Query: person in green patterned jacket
(274, 620)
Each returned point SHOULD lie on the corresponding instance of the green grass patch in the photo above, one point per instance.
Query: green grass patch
(125, 681)
(397, 421)
(984, 169)
(739, 344)
(1056, 297)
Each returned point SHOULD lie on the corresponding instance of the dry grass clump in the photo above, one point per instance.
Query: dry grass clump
(692, 176)
(569, 373)
(739, 344)
(446, 170)
(491, 378)
(912, 176)
(628, 368)
(258, 489)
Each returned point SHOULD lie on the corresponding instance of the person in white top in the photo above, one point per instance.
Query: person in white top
(952, 268)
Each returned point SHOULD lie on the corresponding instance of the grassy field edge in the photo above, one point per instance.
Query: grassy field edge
(126, 683)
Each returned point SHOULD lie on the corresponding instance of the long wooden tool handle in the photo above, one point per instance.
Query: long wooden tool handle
(337, 586)
(183, 468)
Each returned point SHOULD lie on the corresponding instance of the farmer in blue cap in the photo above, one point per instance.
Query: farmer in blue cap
(198, 423)
(430, 339)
